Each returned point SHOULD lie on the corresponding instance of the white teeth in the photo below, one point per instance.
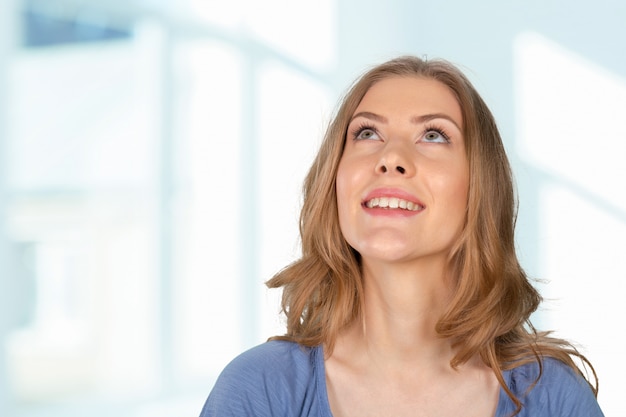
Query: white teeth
(393, 203)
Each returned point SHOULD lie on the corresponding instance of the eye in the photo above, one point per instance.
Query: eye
(365, 133)
(435, 136)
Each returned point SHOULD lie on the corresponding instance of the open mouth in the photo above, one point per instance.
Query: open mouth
(392, 203)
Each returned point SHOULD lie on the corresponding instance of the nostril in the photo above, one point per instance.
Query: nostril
(383, 169)
(401, 170)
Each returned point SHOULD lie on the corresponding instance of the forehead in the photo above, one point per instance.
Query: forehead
(411, 95)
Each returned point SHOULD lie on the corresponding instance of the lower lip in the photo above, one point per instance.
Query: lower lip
(386, 212)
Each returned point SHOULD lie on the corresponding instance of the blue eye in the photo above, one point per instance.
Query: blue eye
(435, 136)
(366, 133)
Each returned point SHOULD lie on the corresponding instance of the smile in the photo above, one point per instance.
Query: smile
(392, 203)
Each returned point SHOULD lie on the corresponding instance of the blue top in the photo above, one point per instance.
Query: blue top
(284, 379)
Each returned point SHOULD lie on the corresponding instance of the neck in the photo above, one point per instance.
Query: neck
(401, 308)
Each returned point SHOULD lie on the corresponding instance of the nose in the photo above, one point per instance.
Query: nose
(399, 168)
(395, 159)
(383, 169)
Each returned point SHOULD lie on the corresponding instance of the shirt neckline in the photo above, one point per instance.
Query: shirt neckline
(320, 372)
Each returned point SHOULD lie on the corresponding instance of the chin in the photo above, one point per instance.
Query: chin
(389, 253)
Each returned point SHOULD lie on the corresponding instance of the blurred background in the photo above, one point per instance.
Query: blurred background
(151, 156)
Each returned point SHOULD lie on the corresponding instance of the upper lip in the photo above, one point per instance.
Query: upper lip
(392, 193)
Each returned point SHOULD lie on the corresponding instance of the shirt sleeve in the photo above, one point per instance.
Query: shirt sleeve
(566, 393)
(275, 379)
(559, 392)
(239, 390)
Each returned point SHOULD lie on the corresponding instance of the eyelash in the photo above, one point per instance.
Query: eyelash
(428, 128)
(360, 128)
(438, 129)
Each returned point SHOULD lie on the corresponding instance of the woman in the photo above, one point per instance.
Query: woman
(408, 299)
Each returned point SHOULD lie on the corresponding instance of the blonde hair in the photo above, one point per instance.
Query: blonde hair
(493, 298)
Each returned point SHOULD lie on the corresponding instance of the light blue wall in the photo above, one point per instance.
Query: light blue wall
(8, 299)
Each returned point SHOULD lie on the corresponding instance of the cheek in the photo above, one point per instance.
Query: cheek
(461, 190)
(460, 198)
(348, 204)
(343, 188)
(453, 186)
(340, 186)
(345, 182)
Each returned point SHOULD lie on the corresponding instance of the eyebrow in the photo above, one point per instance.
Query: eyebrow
(415, 119)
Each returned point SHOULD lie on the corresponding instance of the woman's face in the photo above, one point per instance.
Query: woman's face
(403, 179)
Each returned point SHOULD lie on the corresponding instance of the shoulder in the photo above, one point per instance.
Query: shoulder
(552, 389)
(274, 362)
(273, 379)
(264, 357)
